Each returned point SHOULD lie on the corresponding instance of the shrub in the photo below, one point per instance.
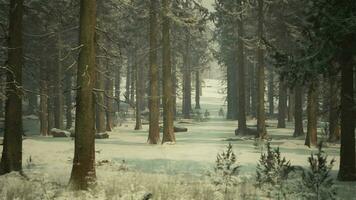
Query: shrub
(317, 180)
(226, 170)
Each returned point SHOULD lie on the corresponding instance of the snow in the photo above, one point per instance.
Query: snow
(129, 165)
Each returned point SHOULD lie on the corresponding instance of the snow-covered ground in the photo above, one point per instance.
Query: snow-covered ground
(131, 167)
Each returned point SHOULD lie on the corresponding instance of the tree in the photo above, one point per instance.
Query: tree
(282, 104)
(167, 100)
(241, 76)
(311, 138)
(298, 111)
(11, 159)
(261, 126)
(83, 171)
(153, 136)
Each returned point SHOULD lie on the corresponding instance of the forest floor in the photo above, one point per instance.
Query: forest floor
(127, 167)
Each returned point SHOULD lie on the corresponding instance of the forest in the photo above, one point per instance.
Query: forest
(178, 99)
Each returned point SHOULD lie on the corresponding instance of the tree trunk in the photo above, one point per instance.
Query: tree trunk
(128, 79)
(271, 92)
(197, 89)
(334, 103)
(83, 171)
(187, 87)
(11, 159)
(51, 96)
(138, 79)
(153, 136)
(118, 87)
(261, 124)
(248, 87)
(43, 101)
(133, 80)
(282, 104)
(298, 111)
(109, 96)
(232, 92)
(99, 96)
(68, 99)
(291, 105)
(253, 91)
(312, 131)
(58, 94)
(32, 102)
(168, 133)
(347, 170)
(241, 80)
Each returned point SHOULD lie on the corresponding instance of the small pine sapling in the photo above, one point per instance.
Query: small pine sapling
(226, 169)
(317, 180)
(272, 170)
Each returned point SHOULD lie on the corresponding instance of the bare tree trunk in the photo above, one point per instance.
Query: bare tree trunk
(334, 103)
(311, 138)
(271, 91)
(168, 133)
(51, 97)
(153, 136)
(232, 92)
(68, 99)
(128, 79)
(197, 89)
(118, 87)
(99, 95)
(248, 87)
(253, 91)
(109, 96)
(347, 170)
(43, 101)
(83, 171)
(133, 80)
(261, 123)
(241, 80)
(187, 88)
(58, 94)
(11, 159)
(138, 79)
(282, 104)
(291, 105)
(298, 111)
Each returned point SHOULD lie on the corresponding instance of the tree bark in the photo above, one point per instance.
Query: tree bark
(253, 91)
(291, 105)
(298, 111)
(58, 93)
(261, 123)
(128, 79)
(11, 159)
(282, 104)
(334, 103)
(109, 97)
(347, 170)
(83, 171)
(187, 87)
(168, 133)
(232, 92)
(197, 89)
(311, 138)
(99, 95)
(153, 136)
(139, 91)
(43, 101)
(271, 92)
(241, 80)
(68, 98)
